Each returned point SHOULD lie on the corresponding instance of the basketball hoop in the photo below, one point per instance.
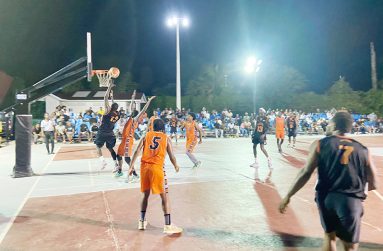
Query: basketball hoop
(105, 76)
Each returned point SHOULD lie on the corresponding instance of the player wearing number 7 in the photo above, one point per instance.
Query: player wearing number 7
(345, 173)
(155, 144)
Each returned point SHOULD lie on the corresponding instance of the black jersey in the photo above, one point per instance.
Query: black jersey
(342, 166)
(291, 124)
(261, 125)
(173, 122)
(108, 121)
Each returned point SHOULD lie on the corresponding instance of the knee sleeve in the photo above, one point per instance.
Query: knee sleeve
(113, 153)
(119, 157)
(127, 160)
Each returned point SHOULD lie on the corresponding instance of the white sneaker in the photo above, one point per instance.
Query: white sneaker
(172, 229)
(255, 164)
(142, 224)
(103, 164)
(116, 168)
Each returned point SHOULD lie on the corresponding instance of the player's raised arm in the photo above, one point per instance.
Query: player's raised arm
(371, 174)
(169, 149)
(144, 109)
(106, 99)
(136, 153)
(131, 103)
(302, 177)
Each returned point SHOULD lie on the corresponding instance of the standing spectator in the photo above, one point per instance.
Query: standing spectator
(101, 111)
(48, 127)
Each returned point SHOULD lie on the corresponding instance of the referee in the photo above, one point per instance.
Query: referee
(345, 173)
(48, 127)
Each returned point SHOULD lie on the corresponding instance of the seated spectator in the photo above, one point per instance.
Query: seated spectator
(37, 134)
(69, 131)
(93, 130)
(60, 131)
(84, 132)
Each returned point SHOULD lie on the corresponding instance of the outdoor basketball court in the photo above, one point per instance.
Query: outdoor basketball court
(73, 206)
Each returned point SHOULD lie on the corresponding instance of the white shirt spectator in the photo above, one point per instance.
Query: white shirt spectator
(47, 126)
(142, 127)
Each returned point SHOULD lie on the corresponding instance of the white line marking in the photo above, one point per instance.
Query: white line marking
(110, 220)
(378, 194)
(10, 223)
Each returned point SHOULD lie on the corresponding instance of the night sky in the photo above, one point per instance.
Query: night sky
(321, 39)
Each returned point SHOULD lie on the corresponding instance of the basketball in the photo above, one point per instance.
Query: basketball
(114, 72)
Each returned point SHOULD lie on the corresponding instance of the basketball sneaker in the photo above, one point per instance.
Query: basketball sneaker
(116, 167)
(172, 229)
(118, 174)
(103, 164)
(197, 164)
(142, 224)
(255, 164)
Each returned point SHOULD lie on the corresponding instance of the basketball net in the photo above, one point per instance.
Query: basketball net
(104, 78)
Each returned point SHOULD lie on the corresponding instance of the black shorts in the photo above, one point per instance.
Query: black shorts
(292, 133)
(258, 139)
(173, 130)
(341, 214)
(108, 138)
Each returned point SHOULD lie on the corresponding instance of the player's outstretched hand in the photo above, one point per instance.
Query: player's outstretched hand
(131, 169)
(200, 141)
(283, 205)
(177, 168)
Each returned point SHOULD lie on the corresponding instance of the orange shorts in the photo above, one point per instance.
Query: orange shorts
(280, 134)
(153, 177)
(125, 149)
(190, 144)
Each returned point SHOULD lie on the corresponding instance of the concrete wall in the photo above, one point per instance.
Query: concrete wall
(78, 106)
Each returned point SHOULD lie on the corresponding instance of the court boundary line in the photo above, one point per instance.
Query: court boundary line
(109, 216)
(24, 201)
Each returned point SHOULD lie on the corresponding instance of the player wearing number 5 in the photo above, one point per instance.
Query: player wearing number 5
(345, 173)
(155, 144)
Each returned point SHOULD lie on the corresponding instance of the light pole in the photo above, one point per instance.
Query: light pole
(252, 66)
(177, 21)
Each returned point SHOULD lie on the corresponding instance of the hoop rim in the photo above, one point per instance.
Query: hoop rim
(99, 72)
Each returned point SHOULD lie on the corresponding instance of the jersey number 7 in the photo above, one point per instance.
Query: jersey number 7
(346, 154)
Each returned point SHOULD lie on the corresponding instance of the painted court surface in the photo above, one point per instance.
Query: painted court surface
(71, 205)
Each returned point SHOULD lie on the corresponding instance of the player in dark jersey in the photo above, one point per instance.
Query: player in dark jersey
(292, 127)
(173, 127)
(105, 133)
(259, 137)
(344, 170)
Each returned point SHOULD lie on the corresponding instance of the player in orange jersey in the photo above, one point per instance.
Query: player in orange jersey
(280, 130)
(154, 145)
(191, 128)
(152, 118)
(126, 146)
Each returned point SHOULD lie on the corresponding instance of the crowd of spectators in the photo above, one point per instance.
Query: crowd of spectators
(71, 127)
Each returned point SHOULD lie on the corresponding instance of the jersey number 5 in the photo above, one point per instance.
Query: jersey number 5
(155, 144)
(346, 154)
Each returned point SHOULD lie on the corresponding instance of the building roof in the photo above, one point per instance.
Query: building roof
(98, 95)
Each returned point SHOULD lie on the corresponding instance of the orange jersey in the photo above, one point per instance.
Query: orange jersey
(126, 146)
(279, 124)
(155, 144)
(190, 130)
(151, 121)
